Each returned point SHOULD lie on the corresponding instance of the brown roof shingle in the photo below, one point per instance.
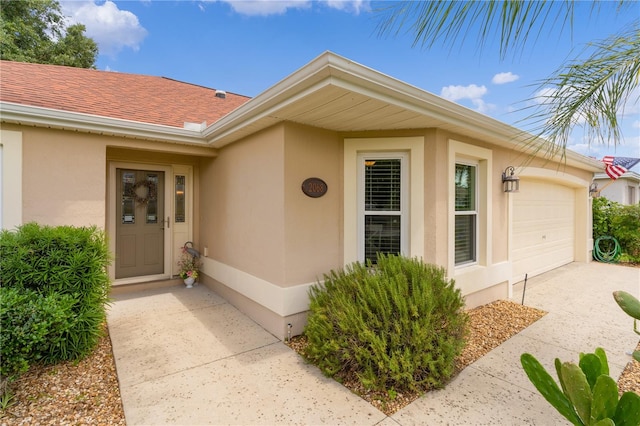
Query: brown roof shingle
(143, 98)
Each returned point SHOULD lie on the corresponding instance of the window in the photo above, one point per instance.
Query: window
(631, 190)
(383, 198)
(466, 213)
(180, 205)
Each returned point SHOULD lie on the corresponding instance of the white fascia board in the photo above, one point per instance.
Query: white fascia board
(630, 175)
(331, 69)
(47, 117)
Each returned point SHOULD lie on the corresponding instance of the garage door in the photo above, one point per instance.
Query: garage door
(543, 228)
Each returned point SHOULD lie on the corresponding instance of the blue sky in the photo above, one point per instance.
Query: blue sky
(245, 47)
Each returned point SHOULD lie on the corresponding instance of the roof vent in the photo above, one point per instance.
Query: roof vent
(221, 94)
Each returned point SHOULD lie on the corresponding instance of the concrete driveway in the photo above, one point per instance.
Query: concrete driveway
(187, 357)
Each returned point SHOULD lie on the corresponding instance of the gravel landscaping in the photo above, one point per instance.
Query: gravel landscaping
(87, 393)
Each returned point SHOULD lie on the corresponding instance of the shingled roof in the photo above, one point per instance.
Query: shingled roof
(142, 98)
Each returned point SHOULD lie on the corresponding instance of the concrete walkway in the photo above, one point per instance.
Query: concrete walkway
(187, 357)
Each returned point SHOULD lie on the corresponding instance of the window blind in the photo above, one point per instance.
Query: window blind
(382, 197)
(466, 213)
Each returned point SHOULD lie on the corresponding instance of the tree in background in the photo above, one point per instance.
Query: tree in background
(35, 31)
(591, 92)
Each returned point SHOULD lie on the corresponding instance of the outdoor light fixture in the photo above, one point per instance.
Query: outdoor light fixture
(510, 182)
(593, 189)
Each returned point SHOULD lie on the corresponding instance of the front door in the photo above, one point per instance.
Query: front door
(139, 223)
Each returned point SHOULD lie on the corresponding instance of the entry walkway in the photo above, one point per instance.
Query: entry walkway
(187, 357)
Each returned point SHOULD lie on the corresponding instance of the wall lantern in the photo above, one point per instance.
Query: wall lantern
(510, 182)
(593, 189)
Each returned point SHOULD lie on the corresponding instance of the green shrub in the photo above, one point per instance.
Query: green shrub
(60, 261)
(397, 326)
(32, 325)
(603, 211)
(618, 221)
(626, 229)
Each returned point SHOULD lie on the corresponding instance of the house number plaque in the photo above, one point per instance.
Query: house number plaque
(314, 187)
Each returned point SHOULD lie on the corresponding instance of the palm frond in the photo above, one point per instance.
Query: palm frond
(514, 22)
(590, 93)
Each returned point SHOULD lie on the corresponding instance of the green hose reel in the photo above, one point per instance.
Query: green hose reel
(606, 249)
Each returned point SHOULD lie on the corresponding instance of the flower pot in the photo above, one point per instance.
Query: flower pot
(189, 281)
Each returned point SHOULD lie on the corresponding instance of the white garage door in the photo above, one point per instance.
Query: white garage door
(543, 228)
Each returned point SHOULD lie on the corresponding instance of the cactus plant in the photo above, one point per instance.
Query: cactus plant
(583, 400)
(631, 306)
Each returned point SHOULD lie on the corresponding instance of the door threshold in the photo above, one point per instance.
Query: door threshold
(131, 287)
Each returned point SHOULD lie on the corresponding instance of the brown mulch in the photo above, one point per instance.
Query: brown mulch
(71, 393)
(87, 392)
(489, 326)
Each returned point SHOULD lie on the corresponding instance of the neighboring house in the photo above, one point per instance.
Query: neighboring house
(624, 190)
(398, 170)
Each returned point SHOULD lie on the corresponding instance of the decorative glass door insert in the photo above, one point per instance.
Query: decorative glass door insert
(139, 223)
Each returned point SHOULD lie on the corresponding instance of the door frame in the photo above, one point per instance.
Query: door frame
(168, 211)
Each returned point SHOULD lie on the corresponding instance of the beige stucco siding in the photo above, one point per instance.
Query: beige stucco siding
(436, 198)
(313, 226)
(63, 178)
(242, 206)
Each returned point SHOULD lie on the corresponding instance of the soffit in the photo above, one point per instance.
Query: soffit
(336, 94)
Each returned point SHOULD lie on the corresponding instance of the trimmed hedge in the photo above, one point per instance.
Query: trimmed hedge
(56, 277)
(396, 326)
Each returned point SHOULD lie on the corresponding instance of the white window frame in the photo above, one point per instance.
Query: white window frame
(460, 152)
(475, 213)
(404, 199)
(414, 147)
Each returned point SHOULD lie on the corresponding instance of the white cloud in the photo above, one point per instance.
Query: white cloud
(636, 124)
(280, 7)
(113, 29)
(472, 92)
(542, 96)
(504, 77)
(355, 6)
(266, 7)
(454, 93)
(482, 106)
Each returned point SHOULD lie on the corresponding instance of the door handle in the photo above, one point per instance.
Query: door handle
(168, 223)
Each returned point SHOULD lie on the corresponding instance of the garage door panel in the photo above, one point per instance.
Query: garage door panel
(543, 231)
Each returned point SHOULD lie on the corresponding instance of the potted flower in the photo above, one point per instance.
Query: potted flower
(189, 265)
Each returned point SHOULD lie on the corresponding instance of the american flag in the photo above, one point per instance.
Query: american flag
(617, 166)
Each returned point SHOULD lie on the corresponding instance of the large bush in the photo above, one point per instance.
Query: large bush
(64, 265)
(396, 326)
(618, 221)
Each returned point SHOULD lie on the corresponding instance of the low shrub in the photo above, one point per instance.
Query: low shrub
(32, 326)
(395, 326)
(62, 261)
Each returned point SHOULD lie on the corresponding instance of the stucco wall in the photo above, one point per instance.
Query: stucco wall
(618, 190)
(313, 231)
(63, 178)
(242, 205)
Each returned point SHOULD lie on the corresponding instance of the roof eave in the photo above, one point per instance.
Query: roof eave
(58, 119)
(329, 68)
(630, 175)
